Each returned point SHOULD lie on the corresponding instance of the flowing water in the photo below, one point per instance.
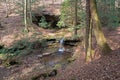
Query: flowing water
(58, 54)
(61, 48)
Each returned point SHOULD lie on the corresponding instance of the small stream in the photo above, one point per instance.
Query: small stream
(52, 57)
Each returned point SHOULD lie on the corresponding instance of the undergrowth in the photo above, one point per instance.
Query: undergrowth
(19, 48)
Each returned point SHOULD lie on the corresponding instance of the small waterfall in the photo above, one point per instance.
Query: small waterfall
(61, 48)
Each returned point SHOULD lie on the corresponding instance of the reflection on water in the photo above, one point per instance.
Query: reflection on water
(56, 57)
(59, 54)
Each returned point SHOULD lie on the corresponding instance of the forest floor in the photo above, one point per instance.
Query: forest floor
(103, 68)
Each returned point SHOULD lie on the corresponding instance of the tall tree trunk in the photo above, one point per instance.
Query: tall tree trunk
(88, 36)
(101, 40)
(25, 15)
(75, 21)
(30, 12)
(6, 8)
(9, 7)
(90, 51)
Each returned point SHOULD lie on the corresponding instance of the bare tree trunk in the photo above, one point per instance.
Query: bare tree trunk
(87, 49)
(90, 51)
(101, 40)
(25, 15)
(29, 12)
(6, 8)
(9, 7)
(75, 21)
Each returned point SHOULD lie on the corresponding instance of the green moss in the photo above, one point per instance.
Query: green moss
(69, 60)
(3, 56)
(57, 66)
